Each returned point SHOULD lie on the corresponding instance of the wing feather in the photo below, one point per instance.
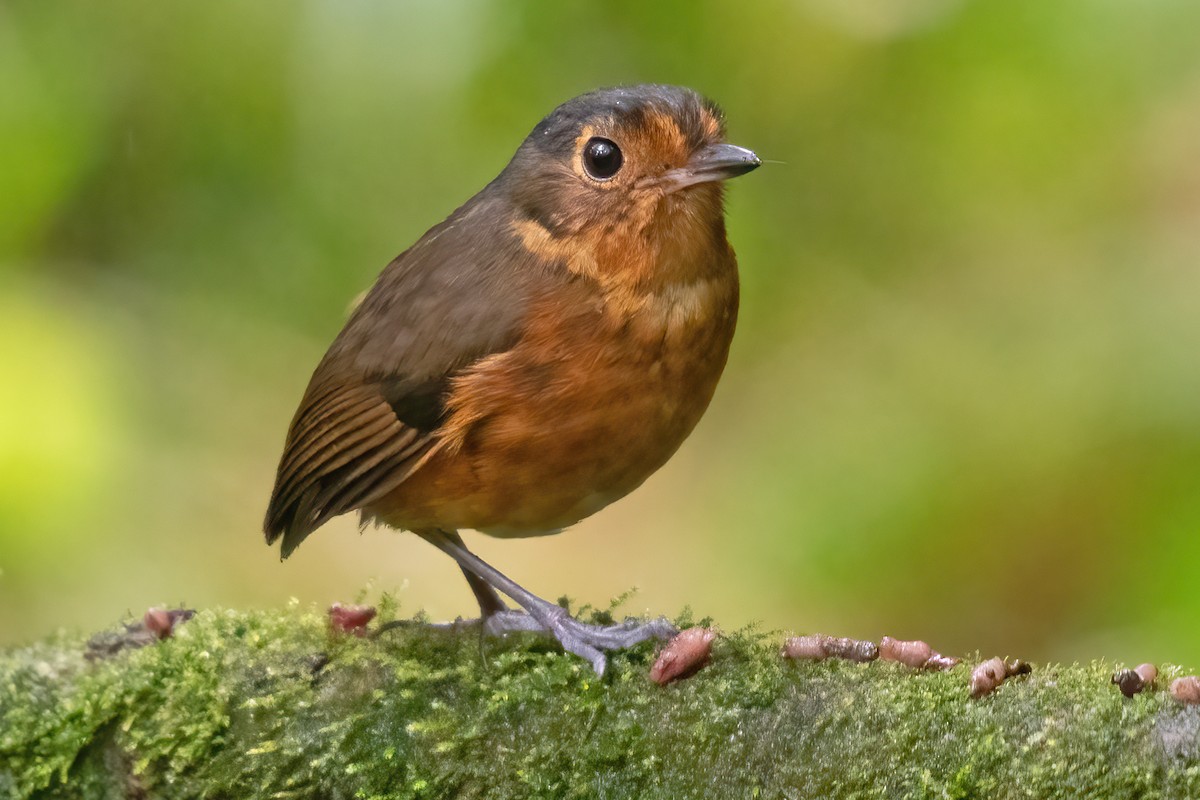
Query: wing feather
(341, 404)
(320, 444)
(372, 411)
(319, 476)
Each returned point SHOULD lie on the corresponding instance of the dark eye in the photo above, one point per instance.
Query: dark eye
(601, 158)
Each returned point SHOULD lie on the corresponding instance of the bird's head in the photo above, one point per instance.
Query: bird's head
(619, 168)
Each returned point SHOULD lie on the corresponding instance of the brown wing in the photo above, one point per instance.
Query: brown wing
(346, 448)
(373, 407)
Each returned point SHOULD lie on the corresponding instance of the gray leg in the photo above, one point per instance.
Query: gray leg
(586, 641)
(489, 602)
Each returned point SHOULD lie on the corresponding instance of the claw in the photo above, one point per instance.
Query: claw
(584, 640)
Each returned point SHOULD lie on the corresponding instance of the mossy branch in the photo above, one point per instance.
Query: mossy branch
(272, 705)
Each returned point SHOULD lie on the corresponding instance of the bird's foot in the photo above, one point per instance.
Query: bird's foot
(584, 640)
(580, 638)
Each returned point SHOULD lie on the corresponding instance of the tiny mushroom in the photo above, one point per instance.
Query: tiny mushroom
(684, 655)
(858, 650)
(940, 663)
(158, 622)
(162, 621)
(915, 654)
(350, 619)
(818, 647)
(991, 673)
(1133, 681)
(805, 648)
(1186, 690)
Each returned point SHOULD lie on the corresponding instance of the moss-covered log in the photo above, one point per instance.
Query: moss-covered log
(272, 705)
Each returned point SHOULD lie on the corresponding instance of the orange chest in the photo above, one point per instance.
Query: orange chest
(647, 364)
(596, 395)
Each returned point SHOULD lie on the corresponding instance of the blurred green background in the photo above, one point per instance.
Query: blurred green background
(963, 402)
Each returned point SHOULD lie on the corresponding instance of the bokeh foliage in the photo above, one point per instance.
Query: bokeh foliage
(964, 399)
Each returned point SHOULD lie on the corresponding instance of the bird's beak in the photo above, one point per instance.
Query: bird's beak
(716, 162)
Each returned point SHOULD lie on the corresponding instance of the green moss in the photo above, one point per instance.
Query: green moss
(245, 705)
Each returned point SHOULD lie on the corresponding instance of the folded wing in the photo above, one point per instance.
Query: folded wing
(371, 413)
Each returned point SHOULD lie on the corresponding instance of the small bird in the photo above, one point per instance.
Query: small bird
(535, 356)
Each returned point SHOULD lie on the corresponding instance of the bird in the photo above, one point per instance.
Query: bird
(537, 355)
